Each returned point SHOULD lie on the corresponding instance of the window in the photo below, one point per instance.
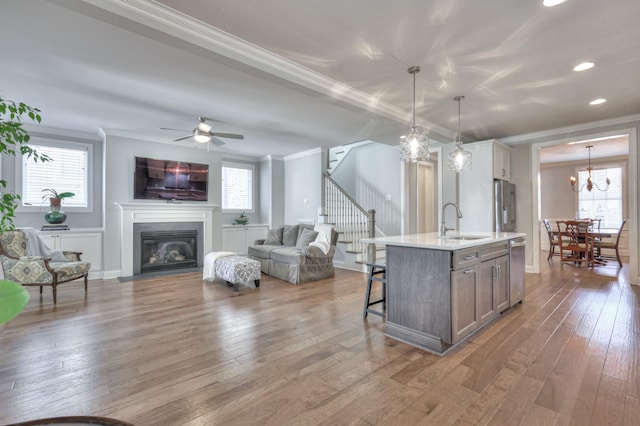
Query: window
(237, 187)
(66, 172)
(597, 204)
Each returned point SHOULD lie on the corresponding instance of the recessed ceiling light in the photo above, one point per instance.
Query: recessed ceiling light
(583, 66)
(598, 101)
(551, 3)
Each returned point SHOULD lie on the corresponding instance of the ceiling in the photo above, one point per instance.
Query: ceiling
(292, 75)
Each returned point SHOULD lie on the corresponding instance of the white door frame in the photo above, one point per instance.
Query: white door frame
(632, 186)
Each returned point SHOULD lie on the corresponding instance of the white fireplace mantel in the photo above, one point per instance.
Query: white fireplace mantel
(166, 212)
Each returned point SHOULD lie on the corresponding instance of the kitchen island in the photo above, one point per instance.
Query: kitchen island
(440, 290)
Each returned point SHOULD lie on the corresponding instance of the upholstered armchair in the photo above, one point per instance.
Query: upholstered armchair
(36, 270)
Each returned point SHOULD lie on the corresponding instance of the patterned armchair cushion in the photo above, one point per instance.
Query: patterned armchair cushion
(14, 243)
(32, 270)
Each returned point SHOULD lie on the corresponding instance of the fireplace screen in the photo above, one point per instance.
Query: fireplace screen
(166, 250)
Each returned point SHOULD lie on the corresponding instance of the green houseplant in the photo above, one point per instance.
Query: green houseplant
(14, 139)
(241, 219)
(55, 215)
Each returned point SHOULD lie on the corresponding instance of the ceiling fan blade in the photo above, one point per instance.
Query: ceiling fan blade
(210, 119)
(183, 138)
(170, 128)
(216, 141)
(227, 135)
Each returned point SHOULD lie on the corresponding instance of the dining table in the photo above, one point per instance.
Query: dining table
(595, 235)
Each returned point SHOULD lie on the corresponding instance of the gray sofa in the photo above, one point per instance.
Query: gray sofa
(286, 254)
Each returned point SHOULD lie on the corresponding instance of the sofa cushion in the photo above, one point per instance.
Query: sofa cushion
(301, 229)
(290, 235)
(288, 255)
(305, 238)
(274, 237)
(261, 252)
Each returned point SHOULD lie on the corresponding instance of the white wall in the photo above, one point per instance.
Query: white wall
(302, 186)
(371, 174)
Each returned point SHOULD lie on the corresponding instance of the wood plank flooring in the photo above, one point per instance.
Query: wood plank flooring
(179, 351)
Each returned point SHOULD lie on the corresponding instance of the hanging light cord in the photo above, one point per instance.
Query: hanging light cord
(414, 99)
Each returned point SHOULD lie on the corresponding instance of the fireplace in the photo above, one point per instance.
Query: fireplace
(166, 246)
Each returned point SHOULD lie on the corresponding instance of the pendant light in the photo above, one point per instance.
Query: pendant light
(414, 147)
(460, 159)
(590, 183)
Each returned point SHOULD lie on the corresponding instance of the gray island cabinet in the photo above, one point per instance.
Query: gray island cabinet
(441, 290)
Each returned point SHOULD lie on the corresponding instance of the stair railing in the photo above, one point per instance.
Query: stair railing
(350, 219)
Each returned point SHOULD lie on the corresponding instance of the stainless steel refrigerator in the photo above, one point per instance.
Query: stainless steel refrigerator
(505, 206)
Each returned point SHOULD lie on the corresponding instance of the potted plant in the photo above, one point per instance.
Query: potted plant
(55, 215)
(242, 219)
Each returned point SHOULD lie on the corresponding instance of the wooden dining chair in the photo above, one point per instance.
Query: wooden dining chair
(610, 245)
(553, 241)
(575, 244)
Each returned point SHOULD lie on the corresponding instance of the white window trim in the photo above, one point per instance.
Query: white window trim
(57, 144)
(248, 166)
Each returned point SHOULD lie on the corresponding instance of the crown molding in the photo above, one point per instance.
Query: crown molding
(526, 138)
(303, 154)
(186, 28)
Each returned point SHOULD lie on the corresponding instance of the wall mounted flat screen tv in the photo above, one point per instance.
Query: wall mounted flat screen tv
(170, 180)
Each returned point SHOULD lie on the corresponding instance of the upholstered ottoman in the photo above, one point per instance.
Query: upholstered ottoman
(238, 269)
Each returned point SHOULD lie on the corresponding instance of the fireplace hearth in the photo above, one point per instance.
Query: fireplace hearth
(165, 246)
(167, 250)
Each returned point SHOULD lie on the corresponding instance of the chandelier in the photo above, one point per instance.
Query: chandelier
(460, 159)
(414, 146)
(590, 183)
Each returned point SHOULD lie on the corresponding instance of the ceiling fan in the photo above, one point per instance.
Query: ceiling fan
(202, 133)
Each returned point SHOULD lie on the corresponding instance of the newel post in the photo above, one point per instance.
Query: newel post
(371, 248)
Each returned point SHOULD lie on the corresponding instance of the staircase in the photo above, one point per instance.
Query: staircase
(353, 223)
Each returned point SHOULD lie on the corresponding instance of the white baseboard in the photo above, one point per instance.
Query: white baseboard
(109, 275)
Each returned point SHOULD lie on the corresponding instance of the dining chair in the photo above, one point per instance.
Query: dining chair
(575, 244)
(553, 241)
(610, 245)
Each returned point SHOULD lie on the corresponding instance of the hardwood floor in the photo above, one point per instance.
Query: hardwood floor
(178, 351)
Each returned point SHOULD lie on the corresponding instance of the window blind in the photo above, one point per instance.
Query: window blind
(596, 204)
(237, 188)
(66, 172)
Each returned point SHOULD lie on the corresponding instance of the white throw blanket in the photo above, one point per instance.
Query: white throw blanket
(209, 268)
(37, 247)
(323, 240)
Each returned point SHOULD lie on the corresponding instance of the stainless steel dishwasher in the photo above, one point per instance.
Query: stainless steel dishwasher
(516, 270)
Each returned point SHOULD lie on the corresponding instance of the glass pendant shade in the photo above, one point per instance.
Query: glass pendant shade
(414, 147)
(460, 159)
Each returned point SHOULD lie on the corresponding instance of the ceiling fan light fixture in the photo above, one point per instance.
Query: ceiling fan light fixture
(460, 158)
(414, 147)
(200, 137)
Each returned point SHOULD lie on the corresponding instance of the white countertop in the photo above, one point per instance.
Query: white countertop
(433, 241)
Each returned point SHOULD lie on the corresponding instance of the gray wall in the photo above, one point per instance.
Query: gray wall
(371, 174)
(119, 156)
(272, 191)
(91, 219)
(302, 186)
(557, 199)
